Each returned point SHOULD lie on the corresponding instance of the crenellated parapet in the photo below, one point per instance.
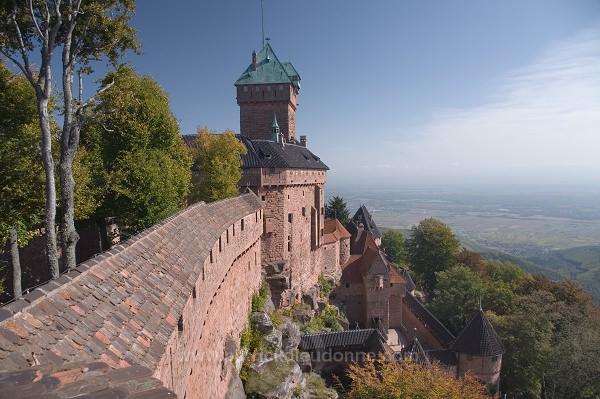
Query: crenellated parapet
(166, 299)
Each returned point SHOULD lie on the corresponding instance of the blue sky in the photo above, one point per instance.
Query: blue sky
(401, 92)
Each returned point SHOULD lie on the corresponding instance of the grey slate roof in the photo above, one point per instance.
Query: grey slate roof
(269, 154)
(364, 338)
(363, 216)
(428, 319)
(410, 284)
(82, 380)
(416, 352)
(121, 306)
(478, 338)
(444, 356)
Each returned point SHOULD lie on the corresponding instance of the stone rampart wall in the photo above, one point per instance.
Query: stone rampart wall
(165, 299)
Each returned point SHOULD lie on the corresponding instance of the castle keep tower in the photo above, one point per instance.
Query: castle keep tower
(268, 87)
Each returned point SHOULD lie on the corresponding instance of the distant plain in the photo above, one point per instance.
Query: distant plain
(553, 231)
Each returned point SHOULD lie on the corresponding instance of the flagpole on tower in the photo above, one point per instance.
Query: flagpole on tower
(262, 22)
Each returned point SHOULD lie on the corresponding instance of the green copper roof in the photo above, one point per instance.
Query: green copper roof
(269, 70)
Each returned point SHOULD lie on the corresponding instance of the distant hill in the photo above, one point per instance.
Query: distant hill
(581, 264)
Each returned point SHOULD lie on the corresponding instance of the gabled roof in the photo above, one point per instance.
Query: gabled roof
(334, 231)
(363, 216)
(269, 70)
(269, 154)
(478, 338)
(367, 337)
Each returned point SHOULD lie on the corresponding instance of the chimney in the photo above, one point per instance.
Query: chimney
(303, 141)
(254, 60)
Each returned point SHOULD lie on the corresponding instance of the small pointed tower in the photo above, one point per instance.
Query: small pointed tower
(268, 86)
(479, 349)
(275, 130)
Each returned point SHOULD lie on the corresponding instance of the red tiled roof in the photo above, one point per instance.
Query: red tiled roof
(334, 231)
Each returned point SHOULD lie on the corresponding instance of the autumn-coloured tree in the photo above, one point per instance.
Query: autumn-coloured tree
(382, 379)
(217, 158)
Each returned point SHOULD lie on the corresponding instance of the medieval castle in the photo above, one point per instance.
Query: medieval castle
(155, 316)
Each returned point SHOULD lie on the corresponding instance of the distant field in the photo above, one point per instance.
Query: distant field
(556, 233)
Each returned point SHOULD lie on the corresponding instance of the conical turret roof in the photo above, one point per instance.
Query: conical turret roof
(478, 338)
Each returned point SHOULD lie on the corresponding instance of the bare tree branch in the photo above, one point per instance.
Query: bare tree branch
(37, 27)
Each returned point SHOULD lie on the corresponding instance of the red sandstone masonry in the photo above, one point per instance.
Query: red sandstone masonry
(124, 306)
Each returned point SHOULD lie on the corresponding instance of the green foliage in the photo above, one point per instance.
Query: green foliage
(336, 208)
(259, 298)
(549, 329)
(21, 173)
(325, 285)
(431, 249)
(218, 157)
(271, 379)
(382, 379)
(317, 388)
(132, 149)
(456, 296)
(326, 320)
(394, 246)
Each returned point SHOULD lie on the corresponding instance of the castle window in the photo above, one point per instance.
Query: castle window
(391, 284)
(289, 246)
(233, 229)
(264, 198)
(322, 210)
(290, 217)
(211, 256)
(347, 285)
(220, 244)
(242, 224)
(180, 324)
(194, 293)
(227, 237)
(303, 211)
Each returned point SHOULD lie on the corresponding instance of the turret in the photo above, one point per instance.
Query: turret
(479, 350)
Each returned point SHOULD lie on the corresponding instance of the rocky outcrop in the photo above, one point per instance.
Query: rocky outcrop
(277, 377)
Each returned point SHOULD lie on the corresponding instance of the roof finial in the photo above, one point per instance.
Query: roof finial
(262, 22)
(480, 308)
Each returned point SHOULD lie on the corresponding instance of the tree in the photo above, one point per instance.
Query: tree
(432, 248)
(85, 31)
(21, 172)
(336, 208)
(133, 151)
(457, 294)
(394, 246)
(218, 159)
(384, 379)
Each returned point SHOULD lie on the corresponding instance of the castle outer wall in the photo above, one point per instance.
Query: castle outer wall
(167, 299)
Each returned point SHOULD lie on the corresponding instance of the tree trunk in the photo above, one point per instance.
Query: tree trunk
(48, 160)
(68, 148)
(16, 263)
